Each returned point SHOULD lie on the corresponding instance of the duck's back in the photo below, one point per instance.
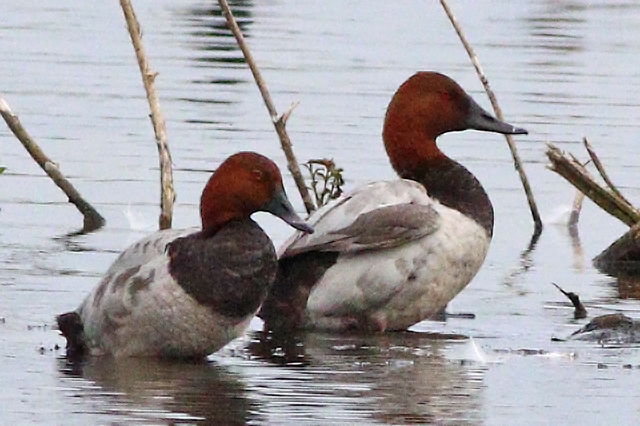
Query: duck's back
(374, 218)
(177, 294)
(382, 258)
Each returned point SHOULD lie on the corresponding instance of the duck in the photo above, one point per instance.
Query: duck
(609, 329)
(393, 253)
(185, 293)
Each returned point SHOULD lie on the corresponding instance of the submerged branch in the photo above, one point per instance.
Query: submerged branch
(496, 107)
(168, 194)
(579, 310)
(278, 122)
(92, 219)
(623, 255)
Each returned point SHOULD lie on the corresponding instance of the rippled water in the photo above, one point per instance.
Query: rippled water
(564, 69)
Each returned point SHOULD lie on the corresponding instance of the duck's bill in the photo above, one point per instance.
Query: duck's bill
(280, 206)
(479, 119)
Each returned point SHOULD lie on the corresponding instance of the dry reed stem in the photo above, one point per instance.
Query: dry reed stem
(596, 162)
(92, 219)
(494, 103)
(575, 209)
(278, 122)
(576, 174)
(168, 194)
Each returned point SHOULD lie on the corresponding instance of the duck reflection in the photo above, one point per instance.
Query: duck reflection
(142, 389)
(393, 378)
(315, 378)
(279, 349)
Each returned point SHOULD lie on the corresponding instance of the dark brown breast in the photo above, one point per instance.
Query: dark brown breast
(230, 272)
(456, 187)
(286, 306)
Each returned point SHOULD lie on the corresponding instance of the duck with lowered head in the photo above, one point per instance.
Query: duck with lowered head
(187, 293)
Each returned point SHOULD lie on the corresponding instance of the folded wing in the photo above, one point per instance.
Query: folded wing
(376, 216)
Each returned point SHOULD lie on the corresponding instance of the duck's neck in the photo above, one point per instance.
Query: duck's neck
(217, 211)
(454, 186)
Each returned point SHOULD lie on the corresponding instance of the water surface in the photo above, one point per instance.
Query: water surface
(563, 69)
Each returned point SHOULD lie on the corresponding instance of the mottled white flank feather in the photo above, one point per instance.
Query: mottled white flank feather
(431, 252)
(131, 311)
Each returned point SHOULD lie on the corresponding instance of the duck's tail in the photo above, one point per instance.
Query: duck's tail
(70, 325)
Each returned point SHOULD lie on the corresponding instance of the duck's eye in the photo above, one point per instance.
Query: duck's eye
(257, 175)
(445, 96)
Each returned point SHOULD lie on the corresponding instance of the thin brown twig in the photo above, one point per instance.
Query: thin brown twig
(168, 194)
(92, 219)
(596, 162)
(289, 111)
(278, 122)
(494, 103)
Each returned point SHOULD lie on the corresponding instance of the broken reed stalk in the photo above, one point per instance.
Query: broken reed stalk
(278, 122)
(596, 162)
(575, 209)
(494, 103)
(92, 219)
(168, 194)
(574, 172)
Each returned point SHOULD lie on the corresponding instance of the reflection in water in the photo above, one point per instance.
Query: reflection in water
(396, 378)
(628, 286)
(277, 349)
(213, 42)
(146, 390)
(216, 71)
(557, 37)
(557, 29)
(576, 245)
(525, 262)
(621, 260)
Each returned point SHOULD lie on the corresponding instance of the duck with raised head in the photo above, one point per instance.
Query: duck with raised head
(187, 293)
(391, 254)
